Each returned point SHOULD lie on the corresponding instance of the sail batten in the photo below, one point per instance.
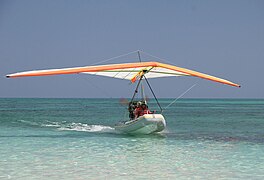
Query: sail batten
(127, 71)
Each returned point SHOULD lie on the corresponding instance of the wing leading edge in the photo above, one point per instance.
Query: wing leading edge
(129, 71)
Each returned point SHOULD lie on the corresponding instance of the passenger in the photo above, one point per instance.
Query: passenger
(138, 111)
(141, 109)
(131, 108)
(145, 109)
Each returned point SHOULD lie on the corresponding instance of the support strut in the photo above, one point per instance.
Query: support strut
(153, 94)
(136, 90)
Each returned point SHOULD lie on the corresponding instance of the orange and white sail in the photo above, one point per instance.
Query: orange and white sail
(129, 71)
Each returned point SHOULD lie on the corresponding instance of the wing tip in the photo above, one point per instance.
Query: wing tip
(237, 85)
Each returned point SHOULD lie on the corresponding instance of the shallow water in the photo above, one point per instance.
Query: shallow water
(73, 139)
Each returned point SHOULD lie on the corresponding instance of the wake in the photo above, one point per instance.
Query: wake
(64, 126)
(86, 128)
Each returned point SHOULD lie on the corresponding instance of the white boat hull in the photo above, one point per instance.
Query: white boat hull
(146, 124)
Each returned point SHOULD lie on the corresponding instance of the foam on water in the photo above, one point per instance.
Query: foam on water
(51, 124)
(86, 128)
(31, 123)
(64, 126)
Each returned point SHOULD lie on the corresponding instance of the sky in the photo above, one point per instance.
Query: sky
(223, 38)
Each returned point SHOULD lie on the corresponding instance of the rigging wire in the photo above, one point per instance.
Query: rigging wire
(155, 57)
(103, 91)
(114, 58)
(180, 96)
(106, 60)
(137, 51)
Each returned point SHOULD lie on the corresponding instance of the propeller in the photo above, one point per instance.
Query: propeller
(124, 101)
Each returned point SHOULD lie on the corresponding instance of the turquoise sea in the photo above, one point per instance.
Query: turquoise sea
(73, 139)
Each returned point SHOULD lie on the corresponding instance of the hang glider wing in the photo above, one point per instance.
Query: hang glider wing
(129, 71)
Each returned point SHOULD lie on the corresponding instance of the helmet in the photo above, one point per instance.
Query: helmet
(139, 103)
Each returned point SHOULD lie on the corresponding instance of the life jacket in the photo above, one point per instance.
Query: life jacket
(138, 112)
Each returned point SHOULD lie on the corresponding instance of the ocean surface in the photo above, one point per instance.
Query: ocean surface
(74, 139)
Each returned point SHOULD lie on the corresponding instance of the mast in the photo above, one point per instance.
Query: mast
(141, 85)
